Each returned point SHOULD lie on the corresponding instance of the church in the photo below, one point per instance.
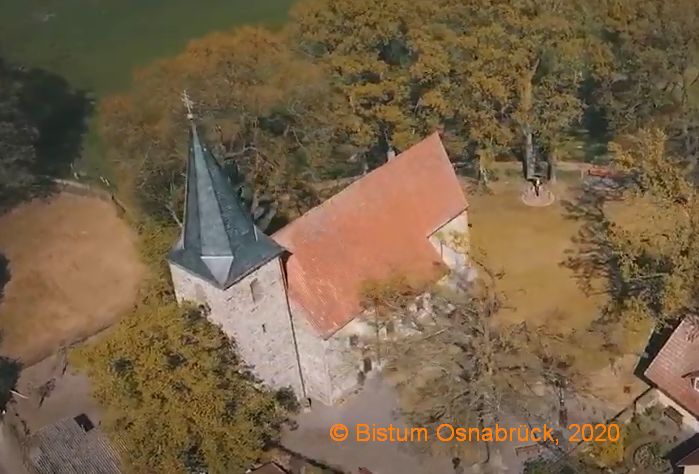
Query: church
(291, 301)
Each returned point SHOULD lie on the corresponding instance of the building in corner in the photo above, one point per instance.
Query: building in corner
(675, 374)
(690, 463)
(292, 301)
(71, 446)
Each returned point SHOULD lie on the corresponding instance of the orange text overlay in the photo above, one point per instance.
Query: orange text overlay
(374, 433)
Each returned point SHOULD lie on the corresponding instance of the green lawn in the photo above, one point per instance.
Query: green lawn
(96, 44)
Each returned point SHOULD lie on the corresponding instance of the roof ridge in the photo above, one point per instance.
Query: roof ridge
(348, 188)
(369, 230)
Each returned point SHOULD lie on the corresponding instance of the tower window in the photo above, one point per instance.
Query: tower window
(367, 364)
(264, 328)
(354, 340)
(255, 290)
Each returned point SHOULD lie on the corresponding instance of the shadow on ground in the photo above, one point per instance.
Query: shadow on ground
(9, 368)
(57, 115)
(4, 274)
(591, 256)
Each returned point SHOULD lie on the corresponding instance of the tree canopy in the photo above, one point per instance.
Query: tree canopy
(268, 113)
(17, 140)
(328, 97)
(176, 396)
(654, 79)
(652, 231)
(491, 74)
(347, 81)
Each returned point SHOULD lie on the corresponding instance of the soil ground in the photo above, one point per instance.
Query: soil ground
(74, 269)
(68, 397)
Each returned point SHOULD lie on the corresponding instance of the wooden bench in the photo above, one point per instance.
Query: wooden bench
(674, 415)
(600, 172)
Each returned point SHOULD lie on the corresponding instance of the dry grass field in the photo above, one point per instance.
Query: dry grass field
(73, 269)
(527, 247)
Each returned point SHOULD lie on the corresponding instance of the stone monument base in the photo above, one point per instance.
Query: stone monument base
(530, 198)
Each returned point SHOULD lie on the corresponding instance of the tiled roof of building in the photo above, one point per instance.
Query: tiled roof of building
(692, 459)
(219, 241)
(269, 468)
(375, 228)
(671, 370)
(67, 447)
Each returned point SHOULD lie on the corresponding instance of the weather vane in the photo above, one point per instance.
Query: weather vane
(188, 104)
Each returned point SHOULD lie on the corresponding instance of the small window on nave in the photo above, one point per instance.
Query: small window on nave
(255, 290)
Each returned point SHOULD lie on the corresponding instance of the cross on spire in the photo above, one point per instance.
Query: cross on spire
(188, 104)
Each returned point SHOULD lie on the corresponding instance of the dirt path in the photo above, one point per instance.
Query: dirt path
(74, 269)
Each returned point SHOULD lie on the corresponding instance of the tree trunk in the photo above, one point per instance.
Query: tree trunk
(482, 172)
(552, 162)
(528, 152)
(264, 221)
(527, 99)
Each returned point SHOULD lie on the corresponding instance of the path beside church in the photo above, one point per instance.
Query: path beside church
(10, 457)
(375, 404)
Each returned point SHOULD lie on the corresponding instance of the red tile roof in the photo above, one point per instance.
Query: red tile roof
(269, 468)
(375, 228)
(678, 358)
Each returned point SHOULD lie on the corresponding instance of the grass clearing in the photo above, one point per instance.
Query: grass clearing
(96, 44)
(527, 247)
(74, 268)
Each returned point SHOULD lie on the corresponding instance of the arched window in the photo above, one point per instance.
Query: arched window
(255, 290)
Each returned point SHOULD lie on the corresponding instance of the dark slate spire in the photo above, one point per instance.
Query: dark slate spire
(219, 241)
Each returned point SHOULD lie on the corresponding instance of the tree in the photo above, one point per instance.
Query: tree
(17, 138)
(265, 109)
(452, 363)
(654, 78)
(492, 75)
(176, 396)
(651, 232)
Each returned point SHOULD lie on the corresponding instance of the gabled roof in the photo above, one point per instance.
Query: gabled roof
(692, 459)
(219, 241)
(269, 468)
(672, 368)
(375, 228)
(66, 448)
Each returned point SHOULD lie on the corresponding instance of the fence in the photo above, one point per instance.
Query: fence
(83, 189)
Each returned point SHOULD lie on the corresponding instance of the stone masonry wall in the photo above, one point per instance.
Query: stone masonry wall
(267, 336)
(312, 356)
(330, 367)
(255, 314)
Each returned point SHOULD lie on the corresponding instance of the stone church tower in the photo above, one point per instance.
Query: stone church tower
(223, 261)
(292, 302)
